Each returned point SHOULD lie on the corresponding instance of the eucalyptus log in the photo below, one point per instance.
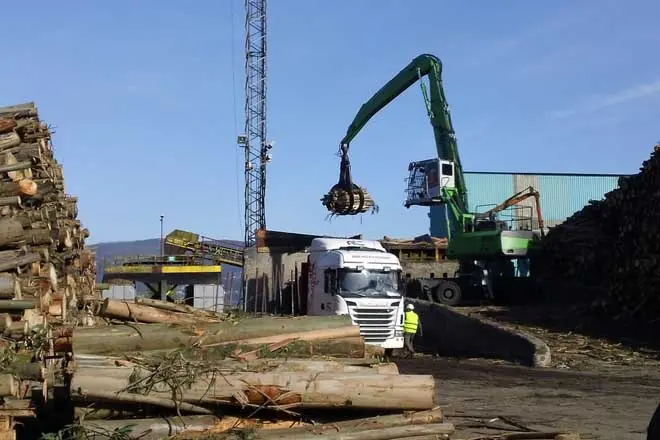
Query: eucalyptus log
(182, 308)
(24, 260)
(10, 286)
(159, 336)
(148, 429)
(11, 201)
(18, 166)
(9, 386)
(11, 233)
(276, 390)
(38, 237)
(7, 125)
(25, 187)
(126, 310)
(7, 304)
(9, 139)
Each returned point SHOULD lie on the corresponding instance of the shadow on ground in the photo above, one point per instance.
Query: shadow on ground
(577, 319)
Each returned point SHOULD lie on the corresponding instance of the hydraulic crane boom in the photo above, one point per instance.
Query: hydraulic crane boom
(438, 110)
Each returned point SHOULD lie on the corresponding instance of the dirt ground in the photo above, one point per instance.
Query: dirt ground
(603, 388)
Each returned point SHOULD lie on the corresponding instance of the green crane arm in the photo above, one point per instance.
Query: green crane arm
(437, 108)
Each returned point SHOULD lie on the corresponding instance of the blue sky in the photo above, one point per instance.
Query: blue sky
(147, 99)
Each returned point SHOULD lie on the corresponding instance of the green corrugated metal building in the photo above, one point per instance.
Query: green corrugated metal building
(561, 194)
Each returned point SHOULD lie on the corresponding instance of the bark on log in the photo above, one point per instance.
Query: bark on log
(23, 260)
(23, 165)
(279, 365)
(126, 310)
(25, 187)
(128, 398)
(352, 348)
(7, 125)
(304, 390)
(149, 429)
(10, 286)
(38, 237)
(10, 201)
(9, 140)
(123, 338)
(8, 304)
(11, 233)
(391, 433)
(371, 423)
(181, 308)
(9, 386)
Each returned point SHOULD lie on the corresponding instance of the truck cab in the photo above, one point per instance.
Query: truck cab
(361, 279)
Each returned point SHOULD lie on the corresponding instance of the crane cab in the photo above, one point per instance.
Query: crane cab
(427, 180)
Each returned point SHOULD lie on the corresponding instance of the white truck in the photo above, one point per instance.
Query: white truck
(361, 279)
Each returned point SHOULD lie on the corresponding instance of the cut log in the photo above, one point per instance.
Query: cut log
(304, 390)
(10, 305)
(279, 365)
(9, 386)
(7, 125)
(38, 237)
(181, 308)
(371, 423)
(9, 140)
(10, 201)
(100, 395)
(10, 286)
(442, 430)
(157, 336)
(101, 286)
(25, 187)
(23, 260)
(117, 309)
(23, 165)
(11, 233)
(148, 429)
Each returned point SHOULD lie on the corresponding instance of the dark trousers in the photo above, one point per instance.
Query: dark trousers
(408, 342)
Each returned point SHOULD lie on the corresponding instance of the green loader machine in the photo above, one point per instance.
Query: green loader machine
(488, 247)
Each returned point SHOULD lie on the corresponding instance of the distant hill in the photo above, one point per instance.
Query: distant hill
(106, 252)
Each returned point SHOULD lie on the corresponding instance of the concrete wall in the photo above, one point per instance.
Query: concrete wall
(449, 333)
(270, 280)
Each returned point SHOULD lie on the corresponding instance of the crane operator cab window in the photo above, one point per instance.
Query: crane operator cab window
(427, 179)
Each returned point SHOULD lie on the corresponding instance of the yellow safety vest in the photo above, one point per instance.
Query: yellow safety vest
(411, 322)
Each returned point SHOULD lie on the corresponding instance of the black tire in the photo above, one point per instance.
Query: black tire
(448, 293)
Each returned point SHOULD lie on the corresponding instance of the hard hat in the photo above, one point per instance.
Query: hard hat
(410, 307)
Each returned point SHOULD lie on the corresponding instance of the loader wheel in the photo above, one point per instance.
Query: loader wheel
(448, 293)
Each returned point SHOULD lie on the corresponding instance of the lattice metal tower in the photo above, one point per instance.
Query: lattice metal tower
(254, 140)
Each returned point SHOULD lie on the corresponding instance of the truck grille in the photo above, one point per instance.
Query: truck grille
(376, 324)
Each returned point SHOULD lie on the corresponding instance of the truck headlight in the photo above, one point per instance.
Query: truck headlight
(398, 334)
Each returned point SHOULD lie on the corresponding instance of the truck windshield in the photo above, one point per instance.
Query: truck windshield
(368, 282)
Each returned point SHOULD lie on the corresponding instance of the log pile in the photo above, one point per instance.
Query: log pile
(44, 266)
(290, 369)
(614, 246)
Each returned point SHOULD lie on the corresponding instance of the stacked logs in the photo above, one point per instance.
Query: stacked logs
(614, 245)
(44, 266)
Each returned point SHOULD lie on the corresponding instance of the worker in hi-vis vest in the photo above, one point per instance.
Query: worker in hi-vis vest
(410, 325)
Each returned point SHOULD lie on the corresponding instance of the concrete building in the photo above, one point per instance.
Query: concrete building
(561, 194)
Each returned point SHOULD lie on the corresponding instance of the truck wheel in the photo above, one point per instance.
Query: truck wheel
(448, 293)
